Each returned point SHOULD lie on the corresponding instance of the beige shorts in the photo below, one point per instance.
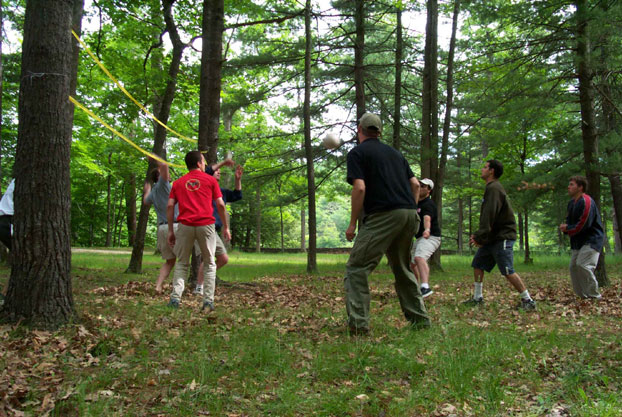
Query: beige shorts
(163, 247)
(221, 249)
(424, 248)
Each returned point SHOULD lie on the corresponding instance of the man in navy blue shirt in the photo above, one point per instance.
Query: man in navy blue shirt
(385, 193)
(586, 233)
(229, 196)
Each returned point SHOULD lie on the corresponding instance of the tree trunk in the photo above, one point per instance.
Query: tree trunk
(130, 209)
(359, 69)
(211, 67)
(528, 259)
(429, 120)
(258, 219)
(40, 289)
(163, 114)
(312, 252)
(521, 236)
(588, 118)
(437, 195)
(109, 207)
(303, 234)
(282, 228)
(117, 218)
(399, 46)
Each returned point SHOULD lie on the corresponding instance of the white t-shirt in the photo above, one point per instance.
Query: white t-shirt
(6, 204)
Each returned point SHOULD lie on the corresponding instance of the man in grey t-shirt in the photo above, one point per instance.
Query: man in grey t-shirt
(158, 196)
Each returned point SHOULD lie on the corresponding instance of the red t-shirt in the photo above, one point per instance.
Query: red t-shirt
(194, 193)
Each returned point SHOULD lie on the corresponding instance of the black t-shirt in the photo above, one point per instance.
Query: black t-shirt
(386, 174)
(427, 207)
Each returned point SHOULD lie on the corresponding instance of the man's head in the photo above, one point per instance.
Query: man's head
(154, 175)
(195, 160)
(577, 185)
(370, 125)
(426, 188)
(492, 169)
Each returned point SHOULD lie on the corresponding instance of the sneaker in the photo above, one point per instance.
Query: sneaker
(426, 291)
(527, 305)
(209, 306)
(173, 304)
(198, 290)
(472, 302)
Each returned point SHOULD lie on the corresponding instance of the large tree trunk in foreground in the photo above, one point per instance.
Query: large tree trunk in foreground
(40, 284)
(588, 118)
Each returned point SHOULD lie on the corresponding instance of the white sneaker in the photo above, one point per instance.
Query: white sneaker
(198, 290)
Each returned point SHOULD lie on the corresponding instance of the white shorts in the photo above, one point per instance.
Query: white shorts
(424, 248)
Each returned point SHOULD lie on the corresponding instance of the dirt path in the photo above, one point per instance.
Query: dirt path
(127, 251)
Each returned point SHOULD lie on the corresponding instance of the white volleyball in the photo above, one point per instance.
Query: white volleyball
(331, 141)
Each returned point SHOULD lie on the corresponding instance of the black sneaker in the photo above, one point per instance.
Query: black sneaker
(472, 302)
(426, 291)
(527, 305)
(209, 306)
(173, 304)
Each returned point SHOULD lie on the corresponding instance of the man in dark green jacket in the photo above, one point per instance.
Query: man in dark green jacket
(495, 238)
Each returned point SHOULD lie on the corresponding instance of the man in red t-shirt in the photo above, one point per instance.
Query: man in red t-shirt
(194, 193)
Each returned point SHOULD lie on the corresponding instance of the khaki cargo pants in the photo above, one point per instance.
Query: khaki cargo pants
(390, 233)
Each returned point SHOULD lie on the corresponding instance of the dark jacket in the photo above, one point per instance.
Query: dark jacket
(496, 220)
(583, 224)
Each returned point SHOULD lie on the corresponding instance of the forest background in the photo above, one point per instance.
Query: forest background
(504, 84)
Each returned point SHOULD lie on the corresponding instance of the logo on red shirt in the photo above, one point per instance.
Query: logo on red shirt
(193, 185)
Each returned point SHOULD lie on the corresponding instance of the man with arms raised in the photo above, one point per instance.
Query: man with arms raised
(585, 229)
(385, 192)
(158, 196)
(428, 237)
(194, 193)
(495, 238)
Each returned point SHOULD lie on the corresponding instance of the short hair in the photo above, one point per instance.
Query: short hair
(192, 159)
(371, 132)
(497, 166)
(154, 175)
(580, 180)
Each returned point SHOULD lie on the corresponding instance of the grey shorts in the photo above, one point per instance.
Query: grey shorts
(500, 253)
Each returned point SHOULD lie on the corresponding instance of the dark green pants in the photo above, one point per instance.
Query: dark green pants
(389, 233)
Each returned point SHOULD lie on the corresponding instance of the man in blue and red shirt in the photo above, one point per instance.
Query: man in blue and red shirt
(194, 193)
(586, 233)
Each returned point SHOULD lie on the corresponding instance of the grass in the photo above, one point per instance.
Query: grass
(279, 347)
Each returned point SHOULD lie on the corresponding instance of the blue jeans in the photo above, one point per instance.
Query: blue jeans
(498, 253)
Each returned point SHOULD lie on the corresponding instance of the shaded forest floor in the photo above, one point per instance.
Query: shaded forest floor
(279, 347)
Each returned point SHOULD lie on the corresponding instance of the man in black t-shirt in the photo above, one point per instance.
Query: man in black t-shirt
(428, 237)
(385, 192)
